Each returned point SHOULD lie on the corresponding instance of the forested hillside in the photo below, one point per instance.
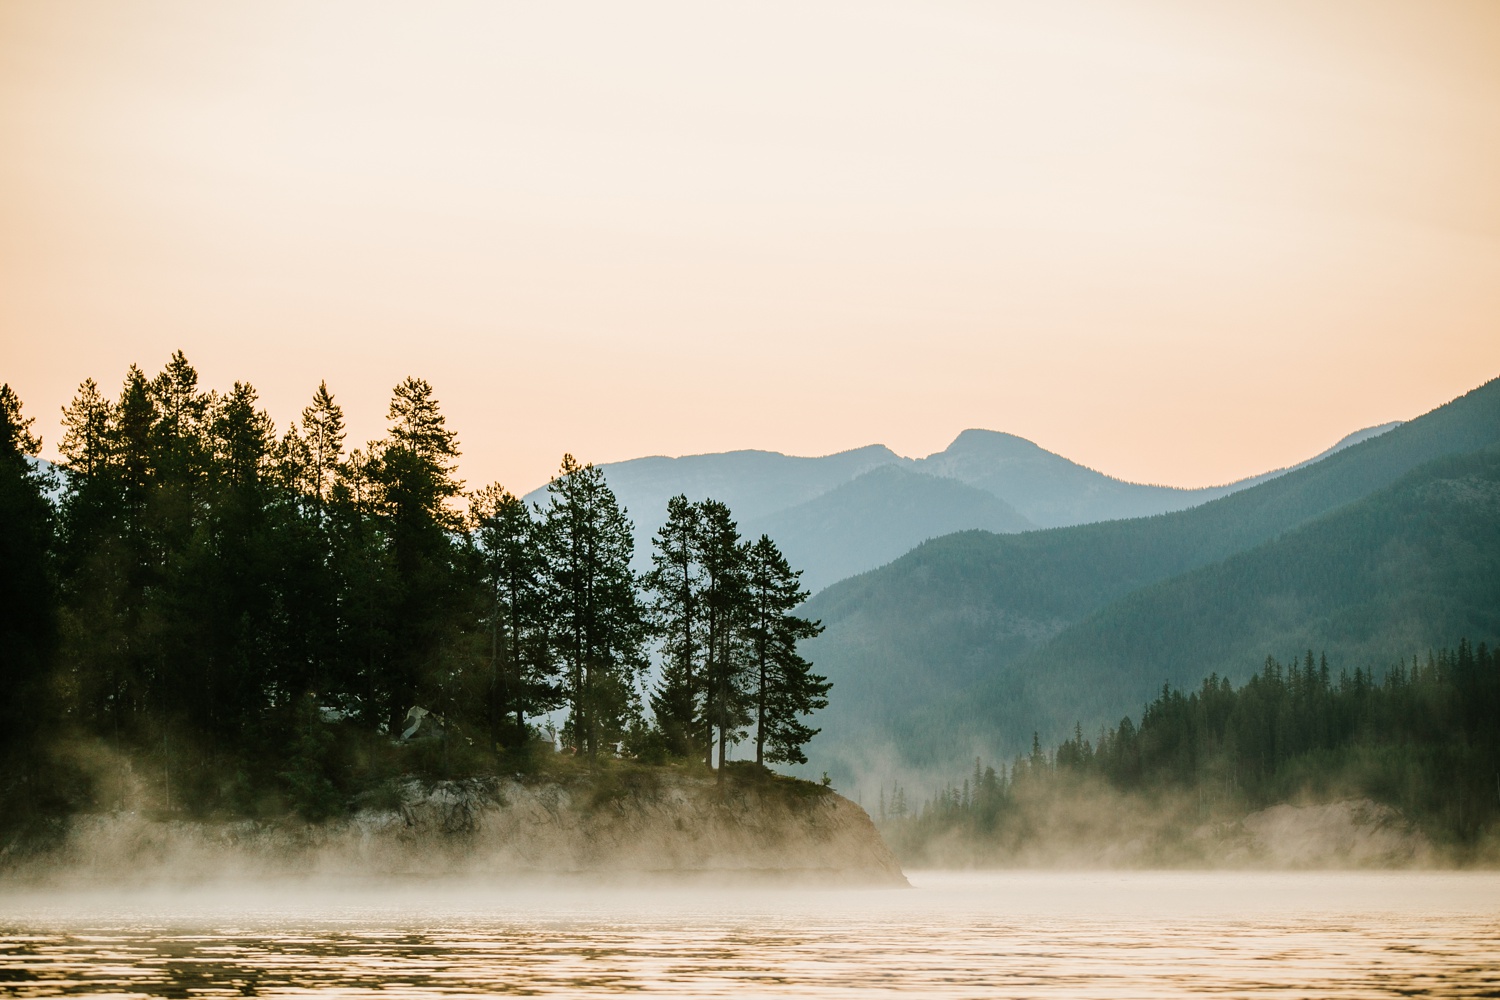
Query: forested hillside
(1402, 569)
(1422, 736)
(910, 645)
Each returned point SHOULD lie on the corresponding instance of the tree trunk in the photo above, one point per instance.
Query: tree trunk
(760, 715)
(723, 749)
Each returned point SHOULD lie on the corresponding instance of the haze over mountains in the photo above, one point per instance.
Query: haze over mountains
(1053, 492)
(971, 641)
(843, 514)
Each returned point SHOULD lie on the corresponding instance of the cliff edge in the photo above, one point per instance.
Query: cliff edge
(633, 821)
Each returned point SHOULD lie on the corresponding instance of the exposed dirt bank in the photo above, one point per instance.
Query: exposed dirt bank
(639, 823)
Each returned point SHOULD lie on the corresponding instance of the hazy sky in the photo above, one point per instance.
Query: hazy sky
(1179, 242)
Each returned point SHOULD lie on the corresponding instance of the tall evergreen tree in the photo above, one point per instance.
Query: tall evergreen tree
(323, 433)
(182, 676)
(131, 447)
(725, 665)
(414, 471)
(85, 442)
(368, 588)
(520, 679)
(785, 686)
(28, 610)
(599, 625)
(123, 554)
(240, 435)
(93, 563)
(237, 634)
(676, 584)
(179, 429)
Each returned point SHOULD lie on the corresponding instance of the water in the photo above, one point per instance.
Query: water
(950, 935)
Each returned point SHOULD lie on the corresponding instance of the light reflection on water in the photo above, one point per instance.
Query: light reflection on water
(951, 934)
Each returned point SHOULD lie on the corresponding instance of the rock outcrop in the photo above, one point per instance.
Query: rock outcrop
(631, 823)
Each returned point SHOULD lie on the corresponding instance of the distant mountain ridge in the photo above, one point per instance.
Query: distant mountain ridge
(968, 642)
(847, 513)
(1054, 492)
(876, 517)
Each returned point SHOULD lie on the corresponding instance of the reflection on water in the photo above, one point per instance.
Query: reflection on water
(951, 934)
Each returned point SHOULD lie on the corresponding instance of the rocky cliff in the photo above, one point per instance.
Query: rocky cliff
(636, 822)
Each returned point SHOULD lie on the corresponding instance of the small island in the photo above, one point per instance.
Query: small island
(617, 821)
(248, 651)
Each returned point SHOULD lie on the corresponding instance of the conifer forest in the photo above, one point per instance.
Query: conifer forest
(1423, 738)
(250, 620)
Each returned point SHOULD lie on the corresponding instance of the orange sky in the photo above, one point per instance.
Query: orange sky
(1179, 242)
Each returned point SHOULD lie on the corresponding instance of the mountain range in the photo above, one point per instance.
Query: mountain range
(970, 642)
(839, 515)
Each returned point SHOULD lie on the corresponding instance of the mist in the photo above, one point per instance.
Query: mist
(569, 819)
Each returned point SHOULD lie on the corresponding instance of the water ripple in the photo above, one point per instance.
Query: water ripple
(952, 935)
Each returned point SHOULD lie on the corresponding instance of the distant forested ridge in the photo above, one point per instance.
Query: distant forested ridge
(238, 619)
(1399, 569)
(1424, 738)
(969, 642)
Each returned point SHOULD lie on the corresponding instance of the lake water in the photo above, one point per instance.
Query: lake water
(949, 935)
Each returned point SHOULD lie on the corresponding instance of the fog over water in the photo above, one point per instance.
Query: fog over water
(952, 934)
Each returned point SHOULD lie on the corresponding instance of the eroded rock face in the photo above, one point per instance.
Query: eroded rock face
(669, 824)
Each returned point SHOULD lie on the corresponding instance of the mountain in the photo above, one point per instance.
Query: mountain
(1411, 568)
(1344, 442)
(834, 518)
(908, 642)
(1050, 490)
(1053, 492)
(52, 478)
(876, 517)
(754, 484)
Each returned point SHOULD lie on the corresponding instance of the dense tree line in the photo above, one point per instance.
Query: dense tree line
(1424, 737)
(253, 615)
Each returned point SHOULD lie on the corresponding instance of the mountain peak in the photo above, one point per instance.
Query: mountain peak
(976, 440)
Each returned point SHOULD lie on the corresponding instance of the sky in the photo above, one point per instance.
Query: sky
(1178, 242)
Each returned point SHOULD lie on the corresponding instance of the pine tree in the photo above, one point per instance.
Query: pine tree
(315, 527)
(106, 462)
(294, 466)
(28, 609)
(130, 552)
(413, 473)
(323, 433)
(725, 663)
(241, 437)
(599, 625)
(676, 583)
(785, 686)
(85, 442)
(230, 573)
(520, 679)
(131, 446)
(17, 442)
(369, 590)
(417, 462)
(178, 432)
